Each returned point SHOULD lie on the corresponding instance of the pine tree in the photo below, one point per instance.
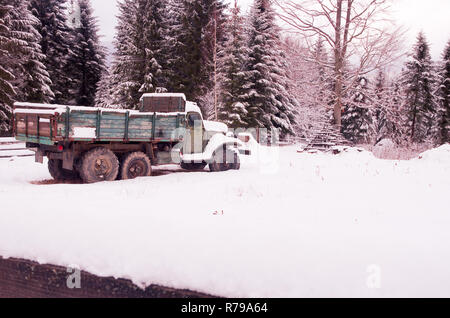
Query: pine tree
(197, 30)
(54, 42)
(444, 96)
(86, 62)
(126, 71)
(33, 84)
(387, 99)
(154, 24)
(233, 106)
(358, 119)
(268, 96)
(323, 75)
(419, 78)
(175, 49)
(213, 40)
(22, 74)
(103, 96)
(187, 66)
(141, 58)
(7, 91)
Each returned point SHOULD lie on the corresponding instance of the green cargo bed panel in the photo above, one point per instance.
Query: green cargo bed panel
(79, 125)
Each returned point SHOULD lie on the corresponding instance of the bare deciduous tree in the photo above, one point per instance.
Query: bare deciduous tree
(357, 31)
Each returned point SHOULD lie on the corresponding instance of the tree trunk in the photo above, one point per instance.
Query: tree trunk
(338, 67)
(338, 105)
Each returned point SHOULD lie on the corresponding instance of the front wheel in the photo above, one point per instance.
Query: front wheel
(134, 165)
(192, 166)
(99, 164)
(224, 160)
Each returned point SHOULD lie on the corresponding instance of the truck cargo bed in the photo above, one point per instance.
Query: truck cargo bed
(49, 124)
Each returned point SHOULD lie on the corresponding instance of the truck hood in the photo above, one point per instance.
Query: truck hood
(214, 126)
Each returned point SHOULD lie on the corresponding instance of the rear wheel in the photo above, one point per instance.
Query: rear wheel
(134, 165)
(99, 164)
(55, 167)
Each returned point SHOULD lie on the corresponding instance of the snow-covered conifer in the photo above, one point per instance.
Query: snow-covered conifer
(418, 79)
(444, 95)
(103, 96)
(86, 63)
(23, 76)
(7, 91)
(270, 103)
(140, 56)
(387, 100)
(55, 43)
(233, 106)
(197, 31)
(358, 123)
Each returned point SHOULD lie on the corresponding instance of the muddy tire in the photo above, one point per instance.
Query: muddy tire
(135, 165)
(99, 164)
(58, 173)
(224, 160)
(192, 166)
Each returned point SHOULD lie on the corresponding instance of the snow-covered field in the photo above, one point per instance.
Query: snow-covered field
(302, 225)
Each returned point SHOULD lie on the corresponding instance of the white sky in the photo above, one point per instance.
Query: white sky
(430, 16)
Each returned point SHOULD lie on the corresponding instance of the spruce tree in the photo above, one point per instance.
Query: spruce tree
(270, 102)
(444, 96)
(86, 62)
(55, 43)
(197, 30)
(126, 74)
(175, 49)
(187, 65)
(387, 100)
(33, 84)
(141, 58)
(381, 107)
(213, 38)
(358, 119)
(419, 78)
(233, 105)
(154, 25)
(7, 91)
(23, 75)
(104, 96)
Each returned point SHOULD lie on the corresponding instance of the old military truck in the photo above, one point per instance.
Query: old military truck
(104, 144)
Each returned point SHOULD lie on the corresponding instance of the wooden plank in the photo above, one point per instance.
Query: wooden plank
(33, 139)
(67, 127)
(98, 123)
(127, 121)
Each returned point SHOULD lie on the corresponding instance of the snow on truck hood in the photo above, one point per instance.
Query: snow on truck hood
(215, 126)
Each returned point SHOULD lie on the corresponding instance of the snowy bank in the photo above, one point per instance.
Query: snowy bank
(300, 226)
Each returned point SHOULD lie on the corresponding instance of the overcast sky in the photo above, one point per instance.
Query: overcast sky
(431, 16)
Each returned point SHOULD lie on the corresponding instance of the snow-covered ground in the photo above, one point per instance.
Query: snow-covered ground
(302, 225)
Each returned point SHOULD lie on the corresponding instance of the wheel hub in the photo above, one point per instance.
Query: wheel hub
(102, 167)
(136, 169)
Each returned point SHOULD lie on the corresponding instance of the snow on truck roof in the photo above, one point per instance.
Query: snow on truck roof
(50, 109)
(164, 95)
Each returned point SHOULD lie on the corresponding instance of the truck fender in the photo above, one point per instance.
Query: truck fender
(218, 141)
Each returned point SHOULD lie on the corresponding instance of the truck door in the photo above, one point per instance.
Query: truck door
(193, 142)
